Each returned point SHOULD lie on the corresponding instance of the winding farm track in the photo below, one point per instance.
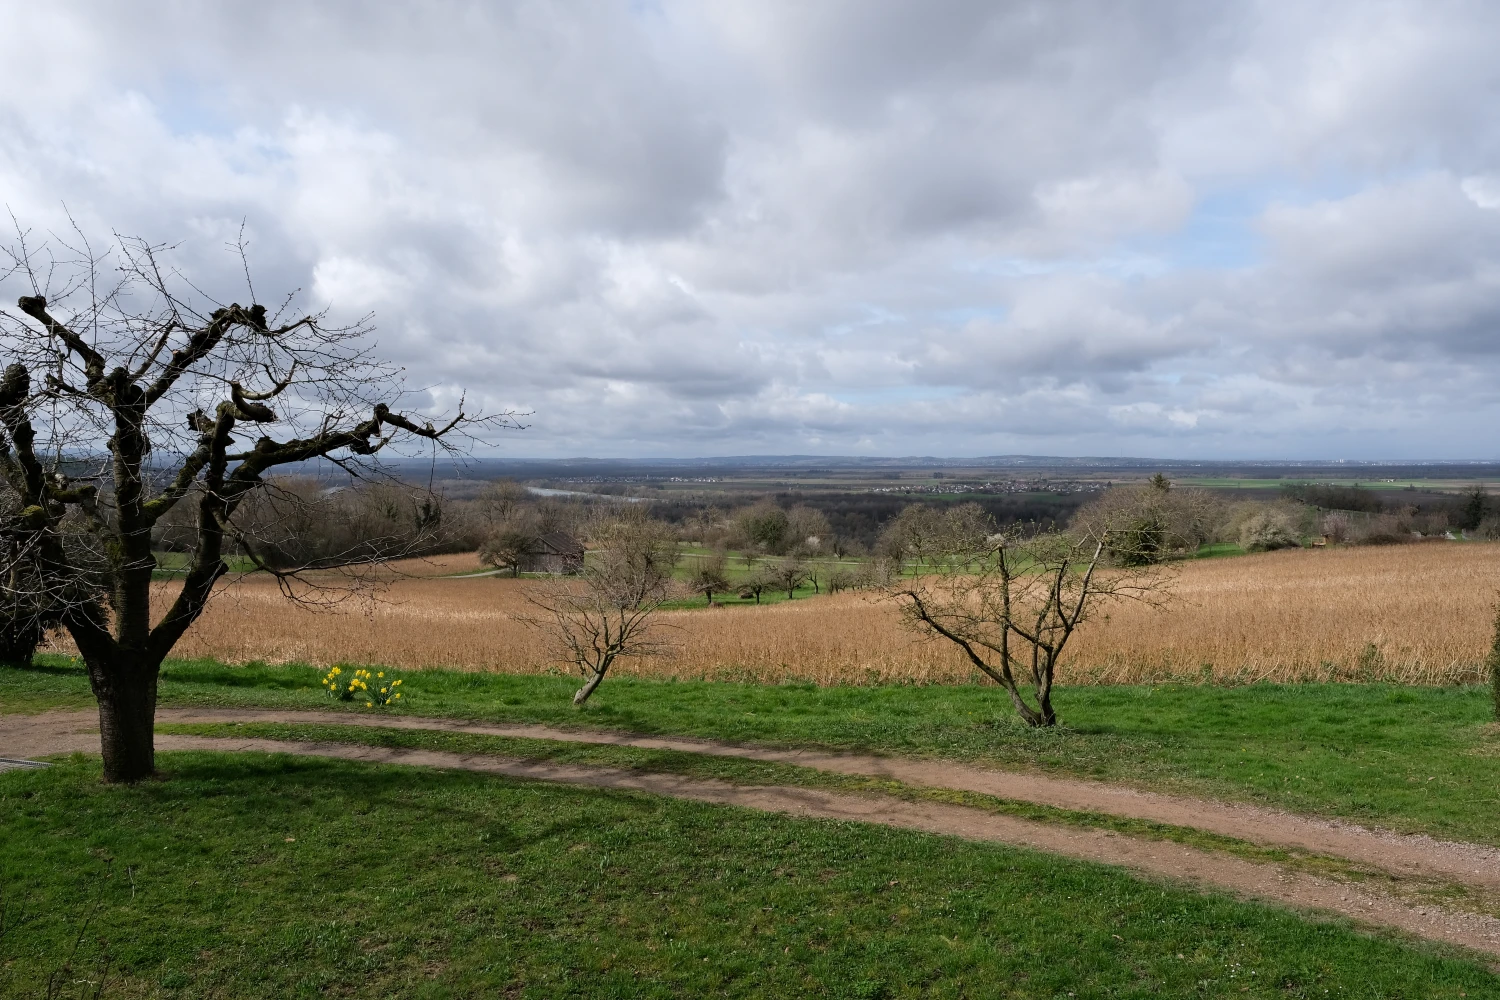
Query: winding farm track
(1402, 855)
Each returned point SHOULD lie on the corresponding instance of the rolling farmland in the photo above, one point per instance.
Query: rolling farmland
(1411, 613)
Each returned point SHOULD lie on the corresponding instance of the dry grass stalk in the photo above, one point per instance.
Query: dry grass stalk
(1411, 613)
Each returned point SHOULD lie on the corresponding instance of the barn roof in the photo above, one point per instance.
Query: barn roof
(558, 543)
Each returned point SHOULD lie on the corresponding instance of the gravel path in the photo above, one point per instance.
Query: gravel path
(63, 732)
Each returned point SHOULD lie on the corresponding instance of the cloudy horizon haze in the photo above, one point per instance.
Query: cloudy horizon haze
(849, 227)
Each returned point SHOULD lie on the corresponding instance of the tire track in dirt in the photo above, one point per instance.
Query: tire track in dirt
(1400, 854)
(53, 733)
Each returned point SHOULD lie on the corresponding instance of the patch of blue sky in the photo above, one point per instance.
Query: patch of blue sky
(191, 110)
(1222, 232)
(187, 108)
(1124, 266)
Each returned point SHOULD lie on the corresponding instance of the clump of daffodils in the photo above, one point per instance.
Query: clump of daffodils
(362, 685)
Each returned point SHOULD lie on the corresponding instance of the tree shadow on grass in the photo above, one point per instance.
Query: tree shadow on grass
(292, 677)
(74, 669)
(199, 775)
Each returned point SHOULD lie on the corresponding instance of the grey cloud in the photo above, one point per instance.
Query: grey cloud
(952, 227)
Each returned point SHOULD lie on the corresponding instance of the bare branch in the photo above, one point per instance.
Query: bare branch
(993, 594)
(94, 468)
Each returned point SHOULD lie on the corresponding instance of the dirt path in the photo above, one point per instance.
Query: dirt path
(51, 733)
(1400, 854)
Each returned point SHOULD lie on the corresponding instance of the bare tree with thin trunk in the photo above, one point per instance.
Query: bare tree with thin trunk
(611, 611)
(1012, 601)
(709, 576)
(129, 391)
(789, 574)
(513, 538)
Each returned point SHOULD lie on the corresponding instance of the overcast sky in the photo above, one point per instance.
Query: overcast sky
(1210, 230)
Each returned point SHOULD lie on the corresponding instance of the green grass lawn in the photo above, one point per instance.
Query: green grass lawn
(1217, 550)
(174, 565)
(250, 875)
(761, 773)
(1413, 759)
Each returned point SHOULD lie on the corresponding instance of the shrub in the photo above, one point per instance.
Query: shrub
(1271, 528)
(1150, 523)
(1337, 526)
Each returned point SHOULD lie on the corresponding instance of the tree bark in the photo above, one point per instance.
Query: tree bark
(588, 689)
(19, 638)
(127, 715)
(1047, 717)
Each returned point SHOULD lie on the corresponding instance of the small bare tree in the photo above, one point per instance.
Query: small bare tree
(611, 611)
(757, 583)
(709, 576)
(789, 574)
(511, 540)
(128, 392)
(1012, 601)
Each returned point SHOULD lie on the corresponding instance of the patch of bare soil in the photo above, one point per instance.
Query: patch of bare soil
(57, 732)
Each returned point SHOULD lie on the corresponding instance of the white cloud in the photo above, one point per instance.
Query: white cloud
(961, 227)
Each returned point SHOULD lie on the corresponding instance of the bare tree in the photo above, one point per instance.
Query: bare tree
(922, 532)
(1012, 601)
(499, 500)
(1153, 521)
(709, 576)
(611, 611)
(31, 602)
(789, 574)
(763, 528)
(757, 583)
(300, 522)
(130, 391)
(820, 570)
(512, 538)
(808, 531)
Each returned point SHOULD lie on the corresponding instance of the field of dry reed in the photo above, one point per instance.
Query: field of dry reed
(1414, 613)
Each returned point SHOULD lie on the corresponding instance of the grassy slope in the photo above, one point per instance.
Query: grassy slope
(750, 772)
(247, 875)
(1420, 759)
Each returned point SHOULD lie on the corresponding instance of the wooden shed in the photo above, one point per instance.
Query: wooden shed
(554, 552)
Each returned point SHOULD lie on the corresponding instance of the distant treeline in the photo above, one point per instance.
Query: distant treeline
(861, 517)
(1465, 511)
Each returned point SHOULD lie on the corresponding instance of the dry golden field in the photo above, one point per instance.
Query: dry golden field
(1415, 613)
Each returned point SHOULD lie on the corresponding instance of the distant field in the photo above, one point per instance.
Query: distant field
(1411, 613)
(1426, 485)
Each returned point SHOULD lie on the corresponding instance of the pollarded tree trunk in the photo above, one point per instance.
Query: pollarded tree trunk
(127, 712)
(187, 380)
